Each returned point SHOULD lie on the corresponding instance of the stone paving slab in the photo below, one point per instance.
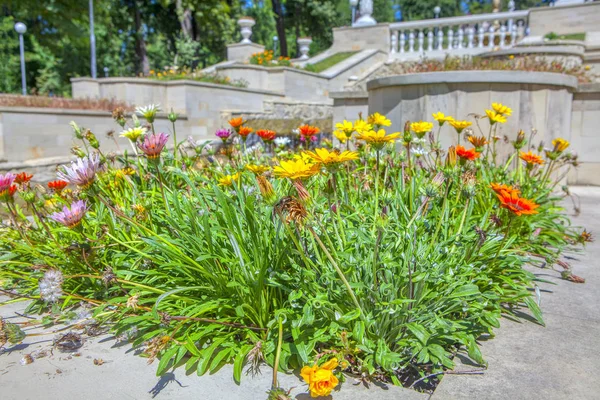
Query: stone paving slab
(559, 361)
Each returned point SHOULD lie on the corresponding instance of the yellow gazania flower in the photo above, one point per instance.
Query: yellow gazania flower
(460, 125)
(360, 126)
(421, 127)
(378, 138)
(228, 180)
(495, 117)
(560, 144)
(441, 118)
(345, 127)
(257, 169)
(327, 157)
(133, 134)
(378, 120)
(321, 380)
(295, 169)
(502, 109)
(341, 136)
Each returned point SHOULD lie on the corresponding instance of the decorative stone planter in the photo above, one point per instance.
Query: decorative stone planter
(246, 24)
(539, 100)
(304, 47)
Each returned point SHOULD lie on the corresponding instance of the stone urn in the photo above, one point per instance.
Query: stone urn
(304, 46)
(366, 11)
(246, 24)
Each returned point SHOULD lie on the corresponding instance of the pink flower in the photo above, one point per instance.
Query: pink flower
(82, 172)
(153, 144)
(7, 189)
(224, 134)
(71, 217)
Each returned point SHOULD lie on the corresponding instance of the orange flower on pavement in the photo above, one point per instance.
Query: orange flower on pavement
(467, 154)
(321, 380)
(517, 205)
(531, 158)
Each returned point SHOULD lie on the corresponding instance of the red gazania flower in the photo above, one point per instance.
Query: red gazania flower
(23, 178)
(8, 194)
(244, 131)
(467, 154)
(57, 186)
(531, 158)
(499, 188)
(517, 205)
(308, 131)
(266, 134)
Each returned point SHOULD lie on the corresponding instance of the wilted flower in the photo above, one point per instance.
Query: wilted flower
(321, 380)
(118, 115)
(478, 142)
(51, 286)
(133, 134)
(71, 217)
(451, 157)
(148, 112)
(292, 209)
(153, 144)
(82, 171)
(586, 237)
(265, 187)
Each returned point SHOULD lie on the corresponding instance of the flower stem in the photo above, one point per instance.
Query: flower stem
(277, 354)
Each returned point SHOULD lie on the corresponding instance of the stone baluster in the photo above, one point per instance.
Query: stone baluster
(502, 36)
(402, 41)
(411, 41)
(520, 29)
(440, 39)
(461, 38)
(481, 36)
(430, 40)
(510, 22)
(470, 37)
(513, 35)
(450, 37)
(491, 36)
(421, 40)
(394, 42)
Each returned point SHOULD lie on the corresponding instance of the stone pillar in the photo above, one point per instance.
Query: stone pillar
(366, 10)
(246, 24)
(304, 47)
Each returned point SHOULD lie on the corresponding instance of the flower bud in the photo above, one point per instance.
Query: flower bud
(172, 116)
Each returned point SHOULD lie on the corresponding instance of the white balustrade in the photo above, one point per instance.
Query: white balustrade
(469, 34)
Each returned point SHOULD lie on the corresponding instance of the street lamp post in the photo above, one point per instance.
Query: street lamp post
(21, 29)
(436, 14)
(106, 69)
(92, 40)
(275, 40)
(353, 4)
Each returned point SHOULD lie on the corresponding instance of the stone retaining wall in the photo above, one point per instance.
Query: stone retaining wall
(585, 134)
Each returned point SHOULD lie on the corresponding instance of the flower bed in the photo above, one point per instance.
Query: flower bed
(61, 102)
(174, 74)
(363, 260)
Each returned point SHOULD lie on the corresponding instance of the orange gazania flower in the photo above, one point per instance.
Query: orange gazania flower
(518, 205)
(236, 122)
(308, 130)
(499, 188)
(22, 178)
(266, 134)
(530, 158)
(467, 154)
(57, 186)
(244, 131)
(321, 380)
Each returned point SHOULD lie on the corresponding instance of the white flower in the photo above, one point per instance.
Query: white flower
(282, 141)
(133, 134)
(419, 151)
(148, 112)
(51, 286)
(255, 148)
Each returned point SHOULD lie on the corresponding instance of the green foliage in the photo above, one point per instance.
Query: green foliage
(329, 61)
(390, 263)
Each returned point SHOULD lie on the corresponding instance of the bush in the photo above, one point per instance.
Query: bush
(265, 59)
(359, 259)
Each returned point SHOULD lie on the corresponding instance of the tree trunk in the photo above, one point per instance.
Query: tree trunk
(140, 43)
(278, 10)
(297, 20)
(185, 19)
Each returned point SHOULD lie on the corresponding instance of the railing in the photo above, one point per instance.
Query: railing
(468, 34)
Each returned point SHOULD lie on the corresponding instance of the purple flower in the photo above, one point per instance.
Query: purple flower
(6, 181)
(224, 134)
(82, 172)
(71, 217)
(153, 144)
